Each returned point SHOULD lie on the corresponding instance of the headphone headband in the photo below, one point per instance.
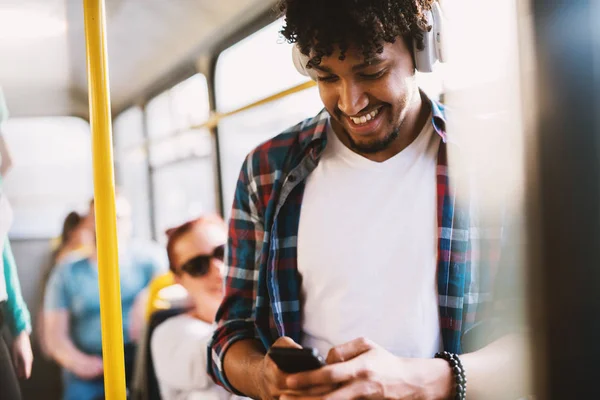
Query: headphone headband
(425, 60)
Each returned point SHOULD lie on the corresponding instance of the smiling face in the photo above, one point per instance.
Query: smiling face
(369, 100)
(205, 289)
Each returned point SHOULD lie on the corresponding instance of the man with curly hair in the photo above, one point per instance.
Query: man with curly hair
(346, 235)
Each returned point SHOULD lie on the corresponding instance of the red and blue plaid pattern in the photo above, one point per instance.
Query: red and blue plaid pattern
(262, 298)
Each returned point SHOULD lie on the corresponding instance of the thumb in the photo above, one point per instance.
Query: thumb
(285, 341)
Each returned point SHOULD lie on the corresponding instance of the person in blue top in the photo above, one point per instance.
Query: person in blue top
(72, 308)
(13, 310)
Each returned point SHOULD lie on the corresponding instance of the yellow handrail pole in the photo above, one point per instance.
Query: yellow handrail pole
(214, 119)
(104, 194)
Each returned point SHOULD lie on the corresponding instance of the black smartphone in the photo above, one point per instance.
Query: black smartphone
(291, 360)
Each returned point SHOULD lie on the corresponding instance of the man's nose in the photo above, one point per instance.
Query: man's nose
(352, 99)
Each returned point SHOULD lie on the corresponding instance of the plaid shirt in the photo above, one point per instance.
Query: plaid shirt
(263, 285)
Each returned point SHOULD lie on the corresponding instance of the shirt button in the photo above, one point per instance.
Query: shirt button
(292, 178)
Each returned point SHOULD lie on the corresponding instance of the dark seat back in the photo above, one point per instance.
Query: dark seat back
(156, 319)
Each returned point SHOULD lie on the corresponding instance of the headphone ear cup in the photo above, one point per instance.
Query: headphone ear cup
(425, 59)
(300, 61)
(438, 31)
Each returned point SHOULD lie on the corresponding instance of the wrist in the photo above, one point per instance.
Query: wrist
(444, 380)
(259, 378)
(436, 379)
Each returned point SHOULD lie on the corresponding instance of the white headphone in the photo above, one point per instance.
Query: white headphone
(425, 59)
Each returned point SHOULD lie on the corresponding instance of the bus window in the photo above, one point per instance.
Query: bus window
(182, 191)
(132, 168)
(51, 154)
(180, 158)
(159, 116)
(189, 102)
(252, 69)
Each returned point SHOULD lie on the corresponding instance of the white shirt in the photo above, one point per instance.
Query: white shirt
(367, 249)
(179, 356)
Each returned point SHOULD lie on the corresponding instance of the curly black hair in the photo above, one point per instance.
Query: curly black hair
(319, 25)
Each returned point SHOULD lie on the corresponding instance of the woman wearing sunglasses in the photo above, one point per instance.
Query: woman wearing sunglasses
(179, 345)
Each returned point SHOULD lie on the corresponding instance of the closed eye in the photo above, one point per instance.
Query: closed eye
(376, 75)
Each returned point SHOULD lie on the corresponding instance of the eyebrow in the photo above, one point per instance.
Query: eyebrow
(357, 67)
(374, 61)
(322, 69)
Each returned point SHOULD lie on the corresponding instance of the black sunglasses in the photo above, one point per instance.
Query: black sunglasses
(199, 265)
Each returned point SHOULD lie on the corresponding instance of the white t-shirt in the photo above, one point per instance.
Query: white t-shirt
(367, 249)
(179, 356)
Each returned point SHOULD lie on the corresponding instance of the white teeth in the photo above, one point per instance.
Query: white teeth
(365, 118)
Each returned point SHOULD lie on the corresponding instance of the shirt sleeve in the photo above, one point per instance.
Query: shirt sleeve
(235, 317)
(19, 319)
(179, 356)
(56, 297)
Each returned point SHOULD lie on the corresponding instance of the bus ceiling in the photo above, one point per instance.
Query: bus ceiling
(148, 42)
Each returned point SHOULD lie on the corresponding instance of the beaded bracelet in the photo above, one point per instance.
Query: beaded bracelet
(460, 380)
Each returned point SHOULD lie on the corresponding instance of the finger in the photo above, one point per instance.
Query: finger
(313, 391)
(28, 364)
(285, 341)
(348, 351)
(23, 373)
(329, 375)
(274, 375)
(27, 371)
(360, 389)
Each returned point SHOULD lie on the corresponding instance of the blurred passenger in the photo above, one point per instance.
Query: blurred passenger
(72, 308)
(76, 242)
(179, 351)
(13, 310)
(77, 239)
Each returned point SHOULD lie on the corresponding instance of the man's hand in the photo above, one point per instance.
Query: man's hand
(22, 355)
(363, 370)
(87, 367)
(272, 381)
